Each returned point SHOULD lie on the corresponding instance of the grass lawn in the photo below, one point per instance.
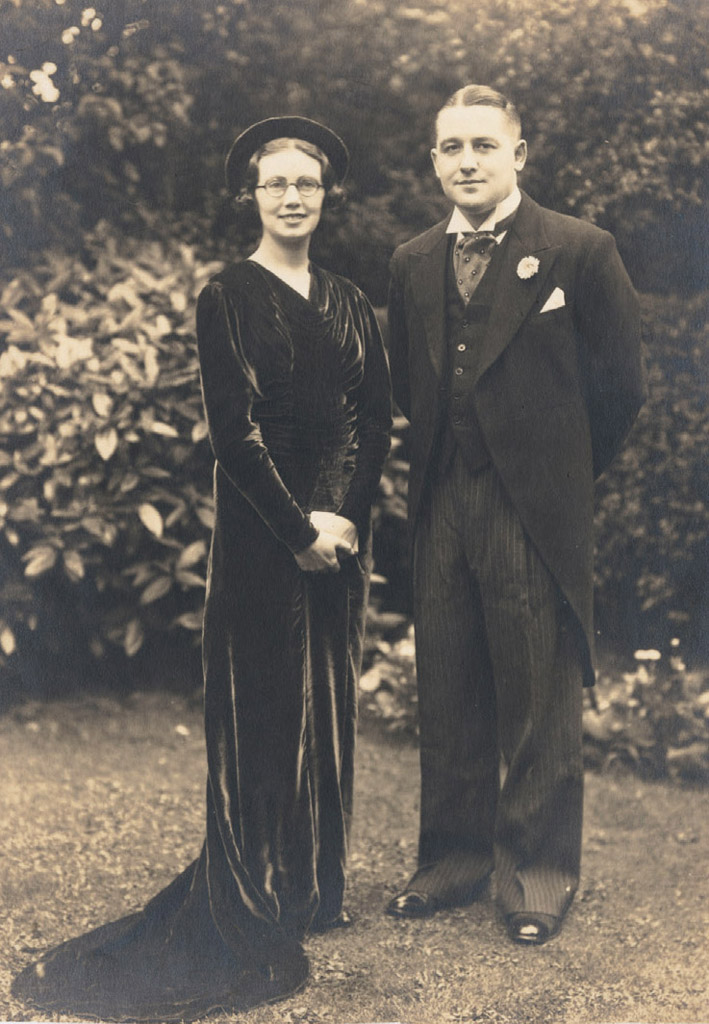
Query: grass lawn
(102, 804)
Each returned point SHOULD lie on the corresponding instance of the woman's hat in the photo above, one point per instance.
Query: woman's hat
(251, 140)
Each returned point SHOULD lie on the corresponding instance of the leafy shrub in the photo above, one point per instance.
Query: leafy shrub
(106, 486)
(652, 522)
(653, 719)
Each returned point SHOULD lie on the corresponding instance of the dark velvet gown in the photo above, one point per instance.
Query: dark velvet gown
(297, 399)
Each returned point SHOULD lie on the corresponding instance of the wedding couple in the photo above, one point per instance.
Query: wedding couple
(515, 354)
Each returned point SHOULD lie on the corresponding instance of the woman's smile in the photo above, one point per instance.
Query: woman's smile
(292, 215)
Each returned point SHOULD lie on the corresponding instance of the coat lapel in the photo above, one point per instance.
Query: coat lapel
(428, 283)
(515, 296)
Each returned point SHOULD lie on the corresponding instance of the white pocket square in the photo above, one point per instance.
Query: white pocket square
(556, 300)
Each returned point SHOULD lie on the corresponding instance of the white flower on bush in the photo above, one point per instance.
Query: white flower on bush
(90, 18)
(70, 34)
(43, 86)
(645, 672)
(650, 655)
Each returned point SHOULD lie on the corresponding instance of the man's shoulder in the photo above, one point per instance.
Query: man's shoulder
(562, 227)
(422, 242)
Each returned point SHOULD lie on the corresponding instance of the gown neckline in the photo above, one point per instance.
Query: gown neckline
(310, 299)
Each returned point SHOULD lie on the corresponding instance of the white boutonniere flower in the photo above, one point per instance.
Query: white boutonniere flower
(527, 267)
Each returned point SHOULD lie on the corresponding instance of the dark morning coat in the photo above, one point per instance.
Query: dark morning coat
(556, 392)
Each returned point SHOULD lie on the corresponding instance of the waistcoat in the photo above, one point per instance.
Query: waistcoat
(464, 332)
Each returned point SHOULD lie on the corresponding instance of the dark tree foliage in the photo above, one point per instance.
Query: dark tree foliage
(125, 112)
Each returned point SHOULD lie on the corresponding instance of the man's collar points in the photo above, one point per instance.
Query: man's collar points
(459, 223)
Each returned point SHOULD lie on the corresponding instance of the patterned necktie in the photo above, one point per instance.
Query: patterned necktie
(471, 258)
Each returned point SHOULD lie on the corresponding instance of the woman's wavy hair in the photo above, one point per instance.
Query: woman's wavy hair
(334, 193)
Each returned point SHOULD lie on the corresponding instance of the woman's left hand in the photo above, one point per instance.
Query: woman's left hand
(330, 522)
(324, 554)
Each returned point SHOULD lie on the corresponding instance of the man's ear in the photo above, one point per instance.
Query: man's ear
(434, 159)
(520, 155)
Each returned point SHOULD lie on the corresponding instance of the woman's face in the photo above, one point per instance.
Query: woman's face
(292, 215)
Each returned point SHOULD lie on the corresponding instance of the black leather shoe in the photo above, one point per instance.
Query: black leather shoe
(413, 904)
(532, 929)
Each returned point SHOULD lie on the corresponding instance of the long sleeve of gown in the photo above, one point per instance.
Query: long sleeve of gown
(228, 391)
(374, 418)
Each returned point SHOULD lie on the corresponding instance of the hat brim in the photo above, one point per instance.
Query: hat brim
(257, 135)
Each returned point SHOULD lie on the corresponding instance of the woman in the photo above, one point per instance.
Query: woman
(296, 392)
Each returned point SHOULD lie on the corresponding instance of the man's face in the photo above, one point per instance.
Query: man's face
(477, 157)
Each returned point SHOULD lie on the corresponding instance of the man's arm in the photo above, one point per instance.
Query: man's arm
(608, 318)
(398, 340)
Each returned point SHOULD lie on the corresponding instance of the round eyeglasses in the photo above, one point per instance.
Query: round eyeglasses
(277, 187)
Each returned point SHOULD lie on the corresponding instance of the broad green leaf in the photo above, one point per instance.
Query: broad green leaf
(21, 318)
(100, 528)
(141, 572)
(74, 565)
(129, 482)
(164, 429)
(133, 637)
(151, 518)
(72, 350)
(190, 620)
(50, 455)
(192, 554)
(8, 480)
(106, 443)
(190, 579)
(39, 560)
(205, 514)
(157, 589)
(122, 291)
(26, 511)
(152, 367)
(176, 515)
(7, 641)
(102, 403)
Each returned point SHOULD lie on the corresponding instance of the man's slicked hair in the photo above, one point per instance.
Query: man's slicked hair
(481, 96)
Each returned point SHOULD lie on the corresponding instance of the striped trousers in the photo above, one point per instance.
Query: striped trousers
(500, 687)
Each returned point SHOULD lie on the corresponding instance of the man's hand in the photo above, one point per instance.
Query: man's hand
(322, 555)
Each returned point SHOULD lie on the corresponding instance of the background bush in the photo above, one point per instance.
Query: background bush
(113, 214)
(105, 472)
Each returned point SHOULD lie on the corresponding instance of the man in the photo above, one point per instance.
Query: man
(516, 356)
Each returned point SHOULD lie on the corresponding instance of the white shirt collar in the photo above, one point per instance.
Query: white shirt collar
(459, 223)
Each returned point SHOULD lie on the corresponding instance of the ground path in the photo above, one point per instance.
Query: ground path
(102, 803)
